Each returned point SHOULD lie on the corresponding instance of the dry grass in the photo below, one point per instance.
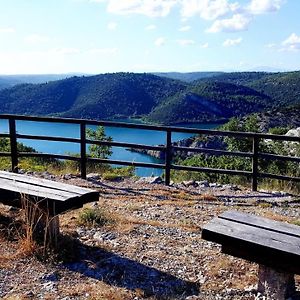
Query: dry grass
(142, 219)
(101, 291)
(276, 217)
(229, 273)
(41, 229)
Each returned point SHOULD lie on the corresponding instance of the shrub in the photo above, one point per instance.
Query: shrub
(92, 217)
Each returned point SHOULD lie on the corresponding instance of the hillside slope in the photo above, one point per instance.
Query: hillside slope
(157, 99)
(101, 96)
(209, 102)
(283, 87)
(189, 76)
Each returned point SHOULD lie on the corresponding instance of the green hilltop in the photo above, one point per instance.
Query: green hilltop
(212, 98)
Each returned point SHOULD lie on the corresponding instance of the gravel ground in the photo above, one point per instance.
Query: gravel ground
(151, 248)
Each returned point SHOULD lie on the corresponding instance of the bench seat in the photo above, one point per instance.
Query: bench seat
(55, 197)
(266, 242)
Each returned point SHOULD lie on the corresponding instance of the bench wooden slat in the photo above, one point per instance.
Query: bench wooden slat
(263, 237)
(262, 223)
(43, 182)
(35, 191)
(256, 239)
(53, 196)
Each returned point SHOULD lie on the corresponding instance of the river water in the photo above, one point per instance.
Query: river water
(147, 137)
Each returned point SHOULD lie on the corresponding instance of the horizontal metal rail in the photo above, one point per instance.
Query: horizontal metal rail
(48, 155)
(152, 127)
(168, 148)
(47, 138)
(213, 151)
(279, 157)
(126, 145)
(126, 163)
(279, 177)
(5, 154)
(211, 170)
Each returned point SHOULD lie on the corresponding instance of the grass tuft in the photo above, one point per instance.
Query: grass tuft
(94, 217)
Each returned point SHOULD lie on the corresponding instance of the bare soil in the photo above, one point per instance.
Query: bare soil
(150, 249)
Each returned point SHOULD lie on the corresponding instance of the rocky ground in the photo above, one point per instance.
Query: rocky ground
(151, 246)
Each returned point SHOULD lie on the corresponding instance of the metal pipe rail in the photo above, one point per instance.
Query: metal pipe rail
(168, 148)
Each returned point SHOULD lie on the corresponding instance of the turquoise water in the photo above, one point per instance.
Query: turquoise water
(147, 137)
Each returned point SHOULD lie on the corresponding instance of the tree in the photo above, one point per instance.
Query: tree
(99, 151)
(250, 124)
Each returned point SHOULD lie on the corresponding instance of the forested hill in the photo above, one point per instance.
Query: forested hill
(209, 101)
(188, 76)
(155, 98)
(101, 96)
(283, 88)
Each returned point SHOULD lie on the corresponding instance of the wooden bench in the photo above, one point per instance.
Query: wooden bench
(275, 246)
(51, 197)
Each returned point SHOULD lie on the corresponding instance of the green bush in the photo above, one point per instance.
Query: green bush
(117, 173)
(93, 217)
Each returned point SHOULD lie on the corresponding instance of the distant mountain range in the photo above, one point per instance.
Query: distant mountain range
(190, 97)
(189, 76)
(7, 81)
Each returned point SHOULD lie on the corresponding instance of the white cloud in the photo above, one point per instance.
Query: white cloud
(65, 51)
(7, 30)
(186, 42)
(204, 46)
(150, 27)
(36, 38)
(228, 15)
(257, 7)
(207, 9)
(160, 42)
(270, 45)
(232, 42)
(292, 43)
(238, 22)
(150, 8)
(112, 26)
(185, 28)
(103, 51)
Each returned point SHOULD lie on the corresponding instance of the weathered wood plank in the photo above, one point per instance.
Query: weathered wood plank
(256, 239)
(36, 191)
(262, 223)
(52, 196)
(263, 237)
(44, 182)
(54, 207)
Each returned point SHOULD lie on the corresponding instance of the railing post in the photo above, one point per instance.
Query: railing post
(13, 145)
(255, 145)
(168, 157)
(83, 150)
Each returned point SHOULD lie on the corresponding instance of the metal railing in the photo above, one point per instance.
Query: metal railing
(167, 148)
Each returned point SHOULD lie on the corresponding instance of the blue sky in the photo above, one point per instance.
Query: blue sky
(99, 36)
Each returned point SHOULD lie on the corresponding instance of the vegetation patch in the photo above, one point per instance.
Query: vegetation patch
(94, 217)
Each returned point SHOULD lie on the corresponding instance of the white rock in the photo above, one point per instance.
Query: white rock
(150, 180)
(294, 132)
(92, 176)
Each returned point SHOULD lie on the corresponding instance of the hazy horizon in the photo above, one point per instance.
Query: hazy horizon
(109, 36)
(267, 70)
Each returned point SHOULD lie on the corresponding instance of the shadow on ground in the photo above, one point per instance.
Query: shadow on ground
(116, 270)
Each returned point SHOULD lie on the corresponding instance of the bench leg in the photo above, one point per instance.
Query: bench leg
(274, 284)
(52, 230)
(40, 225)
